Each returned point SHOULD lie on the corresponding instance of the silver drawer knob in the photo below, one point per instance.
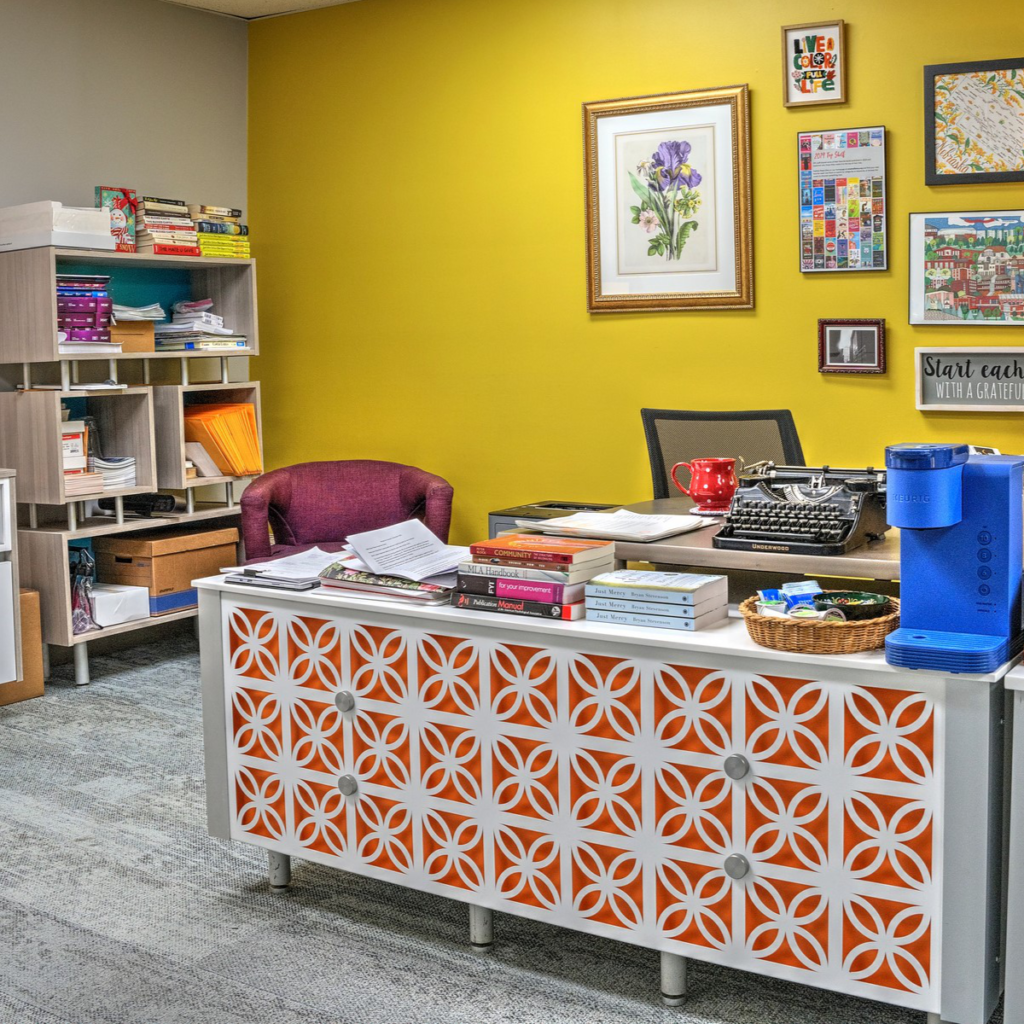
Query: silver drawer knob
(345, 701)
(736, 766)
(348, 785)
(736, 865)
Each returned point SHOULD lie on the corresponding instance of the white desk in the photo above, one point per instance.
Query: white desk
(1013, 1009)
(827, 820)
(10, 632)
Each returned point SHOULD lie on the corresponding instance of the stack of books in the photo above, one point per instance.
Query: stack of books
(195, 327)
(530, 574)
(74, 448)
(115, 472)
(666, 600)
(220, 231)
(83, 314)
(164, 228)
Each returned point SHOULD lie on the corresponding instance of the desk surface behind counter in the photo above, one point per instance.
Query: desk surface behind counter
(876, 560)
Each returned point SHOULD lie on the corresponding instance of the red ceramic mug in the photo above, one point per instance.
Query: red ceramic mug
(712, 482)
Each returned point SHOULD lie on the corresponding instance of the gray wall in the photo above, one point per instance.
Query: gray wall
(138, 93)
(121, 92)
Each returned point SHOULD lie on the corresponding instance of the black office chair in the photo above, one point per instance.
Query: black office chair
(681, 435)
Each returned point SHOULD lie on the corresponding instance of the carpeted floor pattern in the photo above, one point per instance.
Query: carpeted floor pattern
(115, 905)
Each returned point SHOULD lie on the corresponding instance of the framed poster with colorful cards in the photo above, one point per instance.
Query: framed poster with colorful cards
(843, 202)
(814, 64)
(974, 122)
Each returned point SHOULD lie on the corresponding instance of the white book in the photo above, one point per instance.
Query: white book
(662, 587)
(659, 621)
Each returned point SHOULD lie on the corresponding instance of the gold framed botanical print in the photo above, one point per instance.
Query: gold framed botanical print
(668, 211)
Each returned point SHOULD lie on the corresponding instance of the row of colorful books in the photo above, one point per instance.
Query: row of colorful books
(172, 227)
(530, 574)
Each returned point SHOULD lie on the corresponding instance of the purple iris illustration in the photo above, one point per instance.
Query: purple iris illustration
(666, 186)
(671, 168)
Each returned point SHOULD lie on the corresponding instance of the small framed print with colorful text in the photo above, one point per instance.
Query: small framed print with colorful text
(814, 63)
(843, 202)
(851, 346)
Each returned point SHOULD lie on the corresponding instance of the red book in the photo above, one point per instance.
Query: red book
(534, 547)
(171, 250)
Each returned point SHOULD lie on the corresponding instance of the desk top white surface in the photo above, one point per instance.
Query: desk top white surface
(728, 638)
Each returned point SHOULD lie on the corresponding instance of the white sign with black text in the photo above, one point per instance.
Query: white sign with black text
(970, 379)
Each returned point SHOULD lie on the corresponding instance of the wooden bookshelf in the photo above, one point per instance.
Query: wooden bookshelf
(145, 421)
(28, 296)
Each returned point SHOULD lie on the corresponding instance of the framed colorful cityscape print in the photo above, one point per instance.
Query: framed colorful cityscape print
(974, 122)
(668, 202)
(814, 64)
(967, 268)
(843, 201)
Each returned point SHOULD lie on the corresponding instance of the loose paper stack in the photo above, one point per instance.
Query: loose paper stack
(620, 525)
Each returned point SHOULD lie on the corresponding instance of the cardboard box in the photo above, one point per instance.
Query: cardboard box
(31, 684)
(165, 563)
(134, 335)
(113, 603)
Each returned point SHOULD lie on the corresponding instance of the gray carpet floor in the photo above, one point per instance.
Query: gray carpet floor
(115, 905)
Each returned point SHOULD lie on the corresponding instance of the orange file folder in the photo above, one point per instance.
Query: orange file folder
(228, 433)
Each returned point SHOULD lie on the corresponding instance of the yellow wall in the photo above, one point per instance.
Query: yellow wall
(416, 200)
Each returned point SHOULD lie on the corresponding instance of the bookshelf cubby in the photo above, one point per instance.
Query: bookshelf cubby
(30, 439)
(171, 400)
(143, 420)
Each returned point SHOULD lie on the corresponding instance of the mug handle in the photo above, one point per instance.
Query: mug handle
(676, 482)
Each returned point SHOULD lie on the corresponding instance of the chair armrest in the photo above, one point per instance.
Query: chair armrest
(433, 494)
(255, 505)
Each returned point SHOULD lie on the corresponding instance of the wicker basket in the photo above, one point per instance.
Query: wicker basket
(815, 636)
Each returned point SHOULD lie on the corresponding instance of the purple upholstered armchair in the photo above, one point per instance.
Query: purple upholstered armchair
(321, 503)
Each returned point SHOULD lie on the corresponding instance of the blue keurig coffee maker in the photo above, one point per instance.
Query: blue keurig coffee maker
(960, 556)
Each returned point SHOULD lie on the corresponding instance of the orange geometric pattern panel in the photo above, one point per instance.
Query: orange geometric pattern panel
(314, 653)
(253, 645)
(256, 721)
(695, 904)
(317, 742)
(787, 923)
(524, 775)
(889, 734)
(320, 817)
(449, 670)
(524, 685)
(602, 792)
(693, 710)
(453, 849)
(379, 661)
(527, 867)
(260, 803)
(887, 943)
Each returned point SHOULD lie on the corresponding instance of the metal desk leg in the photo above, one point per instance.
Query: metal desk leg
(279, 868)
(46, 663)
(81, 664)
(481, 928)
(673, 979)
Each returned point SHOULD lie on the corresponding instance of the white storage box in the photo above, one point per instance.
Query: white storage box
(113, 603)
(49, 223)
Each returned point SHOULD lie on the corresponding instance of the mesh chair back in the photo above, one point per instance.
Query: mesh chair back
(682, 435)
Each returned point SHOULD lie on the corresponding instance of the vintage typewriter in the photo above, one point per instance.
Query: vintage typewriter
(804, 510)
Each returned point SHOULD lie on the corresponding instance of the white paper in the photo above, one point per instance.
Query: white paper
(303, 566)
(408, 550)
(620, 525)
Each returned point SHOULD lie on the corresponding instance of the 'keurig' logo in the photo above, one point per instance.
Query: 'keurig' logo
(919, 499)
